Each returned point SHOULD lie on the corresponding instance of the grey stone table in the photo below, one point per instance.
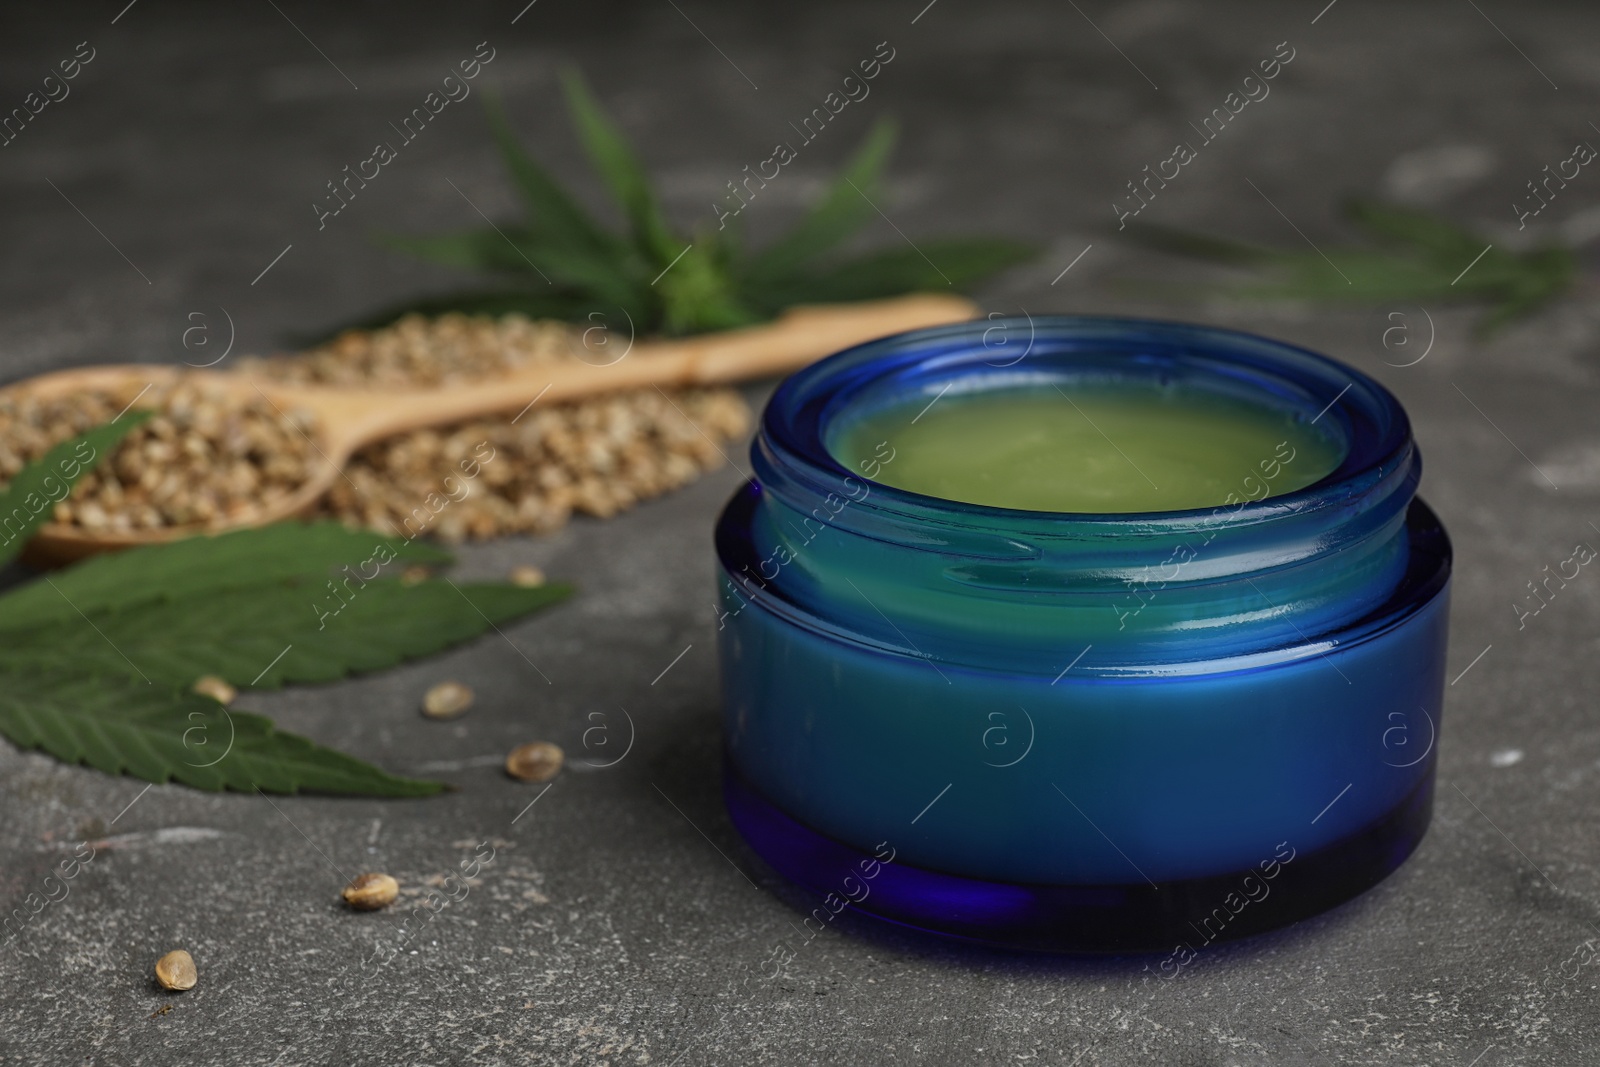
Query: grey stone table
(621, 920)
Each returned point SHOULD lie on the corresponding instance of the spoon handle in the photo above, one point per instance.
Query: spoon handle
(352, 418)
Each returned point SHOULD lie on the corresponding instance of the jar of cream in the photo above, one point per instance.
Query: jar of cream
(1133, 641)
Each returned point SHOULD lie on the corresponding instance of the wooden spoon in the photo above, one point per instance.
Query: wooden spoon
(348, 419)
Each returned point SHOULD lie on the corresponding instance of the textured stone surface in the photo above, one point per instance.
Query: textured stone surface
(620, 916)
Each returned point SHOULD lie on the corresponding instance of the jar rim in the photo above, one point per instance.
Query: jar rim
(795, 424)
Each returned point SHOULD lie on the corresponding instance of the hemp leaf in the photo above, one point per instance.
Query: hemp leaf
(237, 633)
(1415, 256)
(560, 263)
(96, 660)
(160, 734)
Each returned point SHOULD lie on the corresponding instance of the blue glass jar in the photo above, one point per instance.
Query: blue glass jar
(1109, 732)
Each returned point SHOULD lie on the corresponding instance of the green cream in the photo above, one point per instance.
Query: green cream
(1095, 448)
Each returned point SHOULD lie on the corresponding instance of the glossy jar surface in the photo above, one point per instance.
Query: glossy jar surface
(1087, 732)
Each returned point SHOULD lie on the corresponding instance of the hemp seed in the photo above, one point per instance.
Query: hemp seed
(536, 762)
(175, 971)
(206, 457)
(447, 700)
(369, 892)
(527, 577)
(216, 688)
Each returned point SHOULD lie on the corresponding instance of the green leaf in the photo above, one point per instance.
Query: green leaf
(202, 567)
(1424, 258)
(694, 291)
(665, 283)
(550, 209)
(1549, 273)
(61, 466)
(698, 296)
(160, 735)
(1352, 276)
(840, 213)
(620, 170)
(309, 630)
(1427, 233)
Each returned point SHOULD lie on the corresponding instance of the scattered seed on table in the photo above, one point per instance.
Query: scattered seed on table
(216, 688)
(176, 971)
(527, 577)
(536, 762)
(369, 892)
(447, 700)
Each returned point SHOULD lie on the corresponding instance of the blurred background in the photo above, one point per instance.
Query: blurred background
(175, 185)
